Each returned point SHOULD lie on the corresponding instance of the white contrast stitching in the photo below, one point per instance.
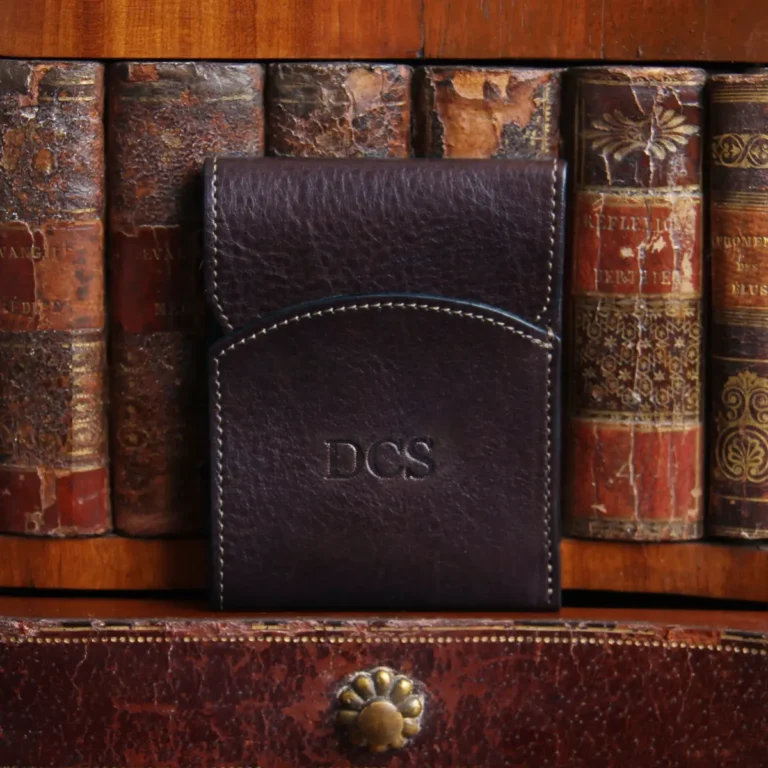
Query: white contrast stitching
(386, 305)
(358, 308)
(548, 515)
(219, 478)
(215, 201)
(552, 233)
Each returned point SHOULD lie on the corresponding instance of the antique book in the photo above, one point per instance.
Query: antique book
(413, 692)
(53, 433)
(464, 111)
(338, 109)
(738, 500)
(635, 443)
(164, 119)
(379, 400)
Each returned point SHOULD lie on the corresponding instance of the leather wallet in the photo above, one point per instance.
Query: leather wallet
(385, 397)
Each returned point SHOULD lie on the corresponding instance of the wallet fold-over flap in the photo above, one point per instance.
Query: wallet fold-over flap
(386, 452)
(280, 232)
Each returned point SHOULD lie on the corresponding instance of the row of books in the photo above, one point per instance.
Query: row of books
(635, 463)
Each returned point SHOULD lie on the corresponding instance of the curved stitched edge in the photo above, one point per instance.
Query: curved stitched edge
(552, 232)
(215, 217)
(358, 308)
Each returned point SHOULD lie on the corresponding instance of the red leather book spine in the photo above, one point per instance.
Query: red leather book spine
(53, 447)
(339, 109)
(738, 502)
(499, 112)
(635, 443)
(165, 118)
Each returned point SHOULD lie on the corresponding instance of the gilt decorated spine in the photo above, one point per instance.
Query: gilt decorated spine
(53, 446)
(165, 118)
(635, 446)
(738, 501)
(339, 109)
(487, 112)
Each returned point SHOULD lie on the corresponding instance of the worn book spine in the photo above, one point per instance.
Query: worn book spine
(635, 428)
(165, 118)
(339, 109)
(738, 500)
(493, 112)
(53, 445)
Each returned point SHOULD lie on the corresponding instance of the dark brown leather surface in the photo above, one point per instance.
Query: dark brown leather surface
(498, 694)
(352, 436)
(279, 233)
(386, 452)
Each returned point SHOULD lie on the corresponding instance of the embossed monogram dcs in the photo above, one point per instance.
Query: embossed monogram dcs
(386, 459)
(384, 403)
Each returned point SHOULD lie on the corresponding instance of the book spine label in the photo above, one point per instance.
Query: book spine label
(165, 119)
(635, 432)
(738, 502)
(494, 112)
(53, 446)
(339, 110)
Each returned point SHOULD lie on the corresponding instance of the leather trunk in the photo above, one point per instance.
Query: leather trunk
(485, 693)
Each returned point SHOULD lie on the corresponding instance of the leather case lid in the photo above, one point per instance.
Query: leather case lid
(386, 452)
(497, 693)
(284, 231)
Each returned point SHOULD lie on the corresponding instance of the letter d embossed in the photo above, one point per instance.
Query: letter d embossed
(385, 459)
(345, 459)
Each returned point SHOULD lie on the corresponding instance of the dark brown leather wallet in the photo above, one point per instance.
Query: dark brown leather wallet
(385, 401)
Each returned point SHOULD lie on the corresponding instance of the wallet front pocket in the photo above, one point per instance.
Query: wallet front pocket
(386, 452)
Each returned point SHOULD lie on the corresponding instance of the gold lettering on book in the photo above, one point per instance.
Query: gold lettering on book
(31, 308)
(606, 223)
(741, 449)
(645, 277)
(33, 252)
(749, 289)
(728, 242)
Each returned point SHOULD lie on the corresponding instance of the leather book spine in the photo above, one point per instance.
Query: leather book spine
(738, 500)
(54, 478)
(165, 118)
(635, 443)
(339, 109)
(487, 112)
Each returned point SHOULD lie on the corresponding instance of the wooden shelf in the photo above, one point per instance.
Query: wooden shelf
(78, 612)
(102, 563)
(697, 569)
(629, 30)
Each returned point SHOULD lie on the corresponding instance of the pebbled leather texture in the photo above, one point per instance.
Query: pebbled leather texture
(282, 231)
(385, 450)
(262, 692)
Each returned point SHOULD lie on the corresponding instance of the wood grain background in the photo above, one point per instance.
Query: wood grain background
(696, 569)
(628, 30)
